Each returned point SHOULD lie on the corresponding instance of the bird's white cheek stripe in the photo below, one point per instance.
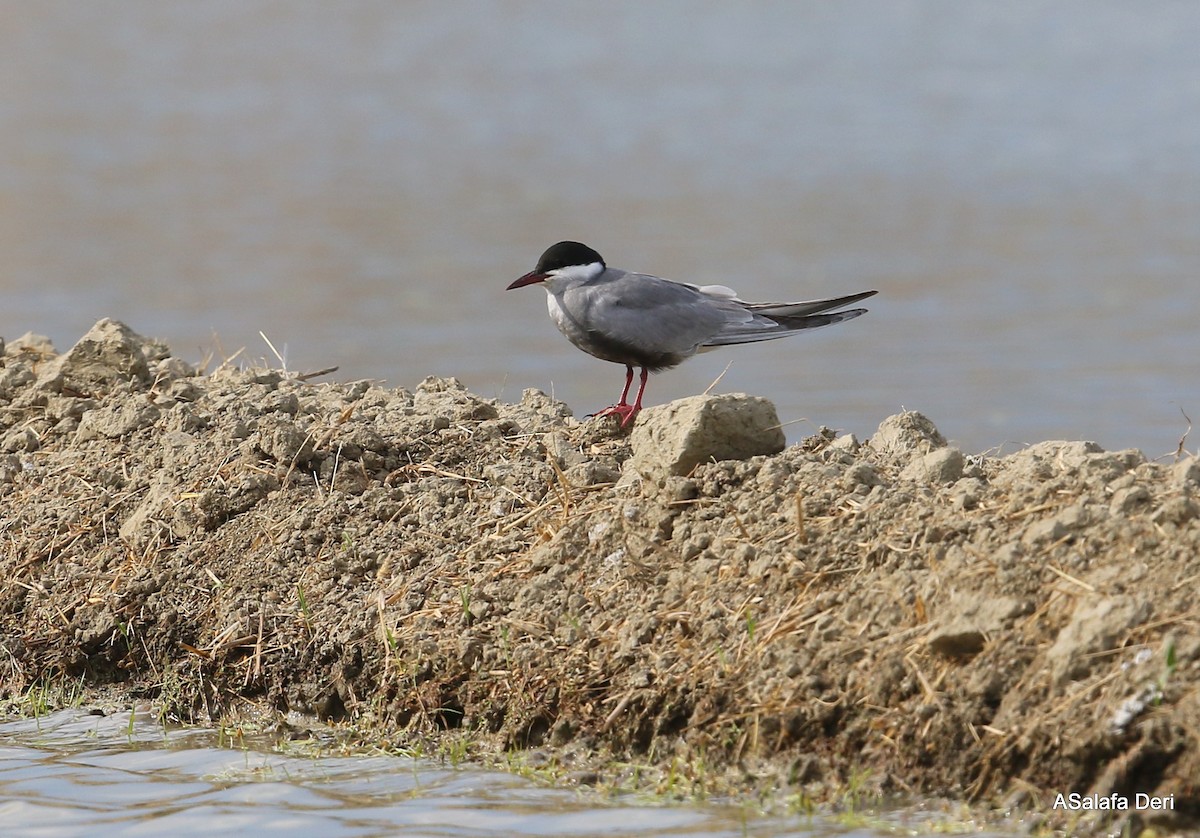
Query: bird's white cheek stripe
(579, 272)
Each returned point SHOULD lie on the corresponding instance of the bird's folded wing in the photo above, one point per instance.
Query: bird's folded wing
(768, 328)
(802, 309)
(651, 315)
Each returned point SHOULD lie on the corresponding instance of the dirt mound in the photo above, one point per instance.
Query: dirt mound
(892, 616)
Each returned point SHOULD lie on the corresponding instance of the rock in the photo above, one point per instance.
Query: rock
(1094, 627)
(284, 442)
(674, 438)
(145, 526)
(1178, 511)
(1070, 520)
(945, 465)
(20, 363)
(969, 620)
(33, 345)
(862, 474)
(966, 493)
(959, 642)
(1186, 473)
(10, 467)
(449, 398)
(170, 369)
(114, 421)
(1129, 500)
(536, 399)
(1056, 454)
(1085, 459)
(110, 353)
(847, 442)
(906, 435)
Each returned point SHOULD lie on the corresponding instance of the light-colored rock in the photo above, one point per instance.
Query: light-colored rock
(675, 437)
(847, 442)
(448, 397)
(945, 465)
(31, 344)
(1129, 500)
(905, 436)
(1065, 522)
(965, 493)
(1186, 473)
(1050, 459)
(117, 420)
(1094, 627)
(110, 352)
(969, 620)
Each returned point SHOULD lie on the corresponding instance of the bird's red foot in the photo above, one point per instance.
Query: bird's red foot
(624, 412)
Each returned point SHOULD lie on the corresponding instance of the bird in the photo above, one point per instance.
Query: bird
(645, 321)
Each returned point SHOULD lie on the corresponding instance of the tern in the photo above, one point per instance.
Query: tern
(645, 321)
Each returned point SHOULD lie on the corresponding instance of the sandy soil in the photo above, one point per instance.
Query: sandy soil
(878, 619)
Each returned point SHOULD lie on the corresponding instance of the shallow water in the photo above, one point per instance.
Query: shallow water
(1020, 181)
(71, 773)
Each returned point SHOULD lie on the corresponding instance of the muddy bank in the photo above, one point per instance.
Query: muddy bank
(888, 617)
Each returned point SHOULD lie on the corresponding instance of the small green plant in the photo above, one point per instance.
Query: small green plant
(123, 628)
(456, 751)
(800, 803)
(1168, 671)
(305, 611)
(532, 767)
(37, 702)
(50, 694)
(170, 696)
(671, 782)
(506, 647)
(855, 794)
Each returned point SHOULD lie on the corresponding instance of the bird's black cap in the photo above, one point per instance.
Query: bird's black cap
(565, 255)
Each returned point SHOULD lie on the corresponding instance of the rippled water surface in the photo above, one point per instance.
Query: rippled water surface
(71, 773)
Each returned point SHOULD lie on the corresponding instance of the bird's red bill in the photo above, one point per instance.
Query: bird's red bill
(529, 279)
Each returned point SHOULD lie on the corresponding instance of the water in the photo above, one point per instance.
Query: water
(1021, 182)
(71, 773)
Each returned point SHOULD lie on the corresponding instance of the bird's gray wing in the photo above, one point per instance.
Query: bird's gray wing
(779, 328)
(777, 320)
(652, 320)
(809, 307)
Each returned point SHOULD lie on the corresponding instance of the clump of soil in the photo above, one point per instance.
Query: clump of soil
(892, 615)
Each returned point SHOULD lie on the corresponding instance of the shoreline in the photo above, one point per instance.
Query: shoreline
(893, 617)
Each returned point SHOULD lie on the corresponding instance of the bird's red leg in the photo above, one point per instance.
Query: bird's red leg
(628, 381)
(637, 402)
(622, 409)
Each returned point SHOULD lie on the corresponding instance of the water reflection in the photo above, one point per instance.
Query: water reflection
(72, 773)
